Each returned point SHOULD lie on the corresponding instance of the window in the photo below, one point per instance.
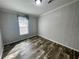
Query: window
(23, 25)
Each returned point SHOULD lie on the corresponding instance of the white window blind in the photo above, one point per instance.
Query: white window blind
(23, 25)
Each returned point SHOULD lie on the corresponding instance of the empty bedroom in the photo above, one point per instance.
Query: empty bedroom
(39, 29)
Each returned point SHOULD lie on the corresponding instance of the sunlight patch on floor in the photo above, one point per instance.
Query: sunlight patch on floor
(19, 49)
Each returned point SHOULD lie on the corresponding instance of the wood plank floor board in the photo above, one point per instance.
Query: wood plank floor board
(38, 48)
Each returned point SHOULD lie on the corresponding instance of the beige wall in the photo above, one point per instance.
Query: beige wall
(62, 26)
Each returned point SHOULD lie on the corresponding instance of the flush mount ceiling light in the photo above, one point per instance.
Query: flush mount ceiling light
(38, 2)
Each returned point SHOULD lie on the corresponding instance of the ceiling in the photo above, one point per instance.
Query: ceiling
(29, 7)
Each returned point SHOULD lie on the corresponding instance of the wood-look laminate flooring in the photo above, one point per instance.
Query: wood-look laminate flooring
(38, 48)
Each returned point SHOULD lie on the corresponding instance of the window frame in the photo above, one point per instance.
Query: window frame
(27, 18)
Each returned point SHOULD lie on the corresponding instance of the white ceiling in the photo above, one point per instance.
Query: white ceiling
(29, 7)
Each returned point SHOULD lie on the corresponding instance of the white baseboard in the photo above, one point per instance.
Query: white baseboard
(59, 43)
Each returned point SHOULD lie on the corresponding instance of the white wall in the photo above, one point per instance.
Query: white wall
(1, 42)
(62, 26)
(10, 28)
(1, 46)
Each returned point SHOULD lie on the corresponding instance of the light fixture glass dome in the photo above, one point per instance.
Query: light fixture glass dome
(38, 2)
